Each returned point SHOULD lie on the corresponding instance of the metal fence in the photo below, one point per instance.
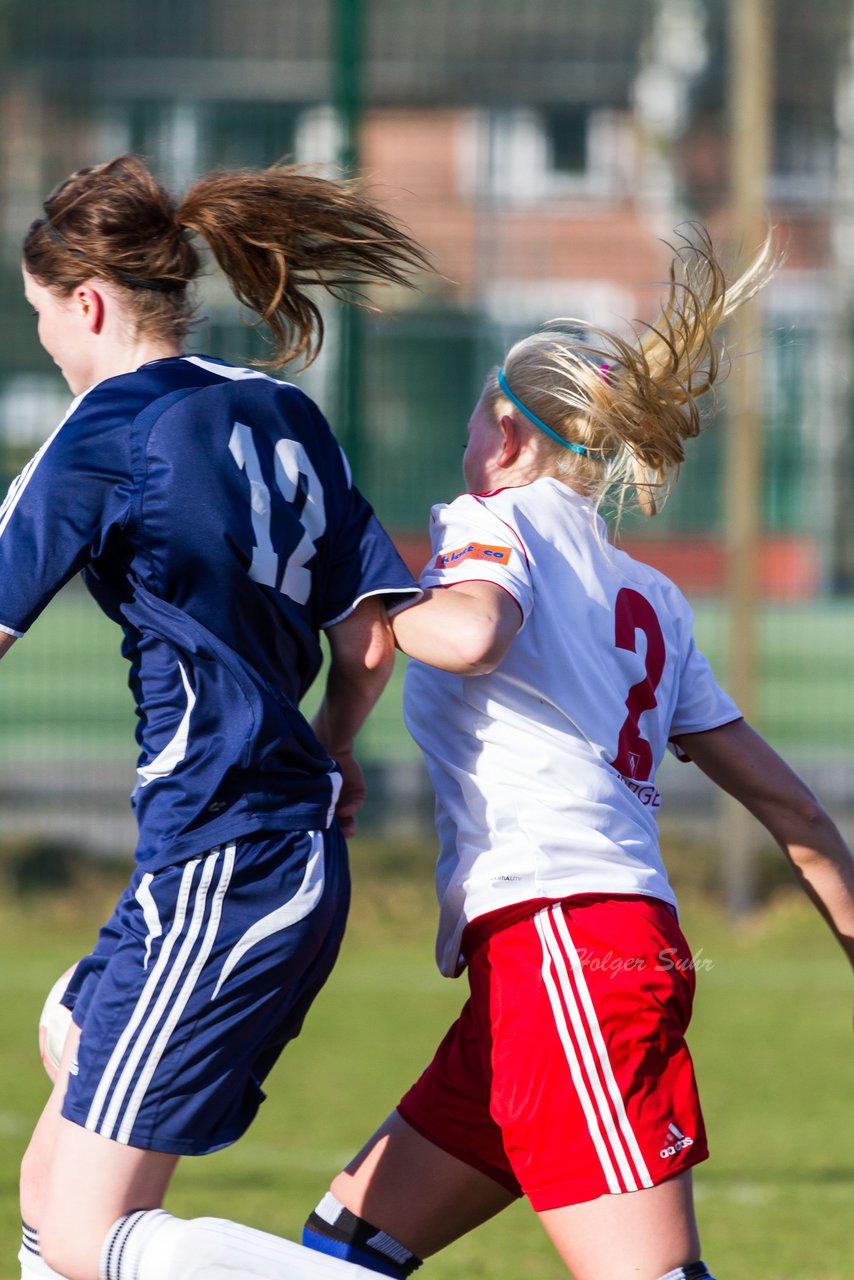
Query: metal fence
(544, 153)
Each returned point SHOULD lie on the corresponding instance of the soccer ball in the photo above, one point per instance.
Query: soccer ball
(54, 1022)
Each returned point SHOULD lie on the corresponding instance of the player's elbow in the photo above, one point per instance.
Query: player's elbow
(378, 656)
(802, 827)
(480, 646)
(363, 644)
(812, 832)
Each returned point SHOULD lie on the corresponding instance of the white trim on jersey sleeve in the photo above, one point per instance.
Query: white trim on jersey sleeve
(19, 485)
(682, 755)
(10, 631)
(472, 543)
(415, 592)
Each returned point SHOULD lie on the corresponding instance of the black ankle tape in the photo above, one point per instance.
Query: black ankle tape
(694, 1271)
(362, 1237)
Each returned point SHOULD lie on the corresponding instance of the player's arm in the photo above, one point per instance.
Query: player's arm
(361, 660)
(6, 642)
(466, 627)
(742, 763)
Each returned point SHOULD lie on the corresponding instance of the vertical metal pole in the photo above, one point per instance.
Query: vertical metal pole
(348, 38)
(837, 338)
(751, 37)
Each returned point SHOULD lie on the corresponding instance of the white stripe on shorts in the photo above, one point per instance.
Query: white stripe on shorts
(155, 999)
(179, 1005)
(144, 1000)
(287, 915)
(607, 1121)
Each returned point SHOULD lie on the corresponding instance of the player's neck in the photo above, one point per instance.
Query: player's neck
(126, 357)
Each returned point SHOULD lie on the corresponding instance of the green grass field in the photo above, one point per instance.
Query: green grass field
(771, 1038)
(772, 1026)
(64, 686)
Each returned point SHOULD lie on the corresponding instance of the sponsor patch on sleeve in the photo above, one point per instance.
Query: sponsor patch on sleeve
(472, 551)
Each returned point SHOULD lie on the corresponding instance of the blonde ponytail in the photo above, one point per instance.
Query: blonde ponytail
(631, 406)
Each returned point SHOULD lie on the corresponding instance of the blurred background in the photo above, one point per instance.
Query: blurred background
(544, 152)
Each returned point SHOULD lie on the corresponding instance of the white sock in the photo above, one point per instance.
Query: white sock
(33, 1265)
(152, 1245)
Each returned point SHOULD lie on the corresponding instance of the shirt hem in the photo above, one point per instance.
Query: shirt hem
(482, 927)
(208, 838)
(452, 961)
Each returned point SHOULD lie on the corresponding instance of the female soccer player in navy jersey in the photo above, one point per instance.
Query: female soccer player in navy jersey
(213, 515)
(560, 669)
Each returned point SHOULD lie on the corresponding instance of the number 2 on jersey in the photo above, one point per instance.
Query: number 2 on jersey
(290, 461)
(634, 613)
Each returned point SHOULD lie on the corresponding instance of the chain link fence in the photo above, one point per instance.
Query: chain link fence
(545, 154)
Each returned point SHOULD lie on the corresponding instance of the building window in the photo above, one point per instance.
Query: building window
(566, 130)
(533, 154)
(803, 158)
(183, 139)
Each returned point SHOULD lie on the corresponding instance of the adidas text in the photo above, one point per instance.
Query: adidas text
(680, 1145)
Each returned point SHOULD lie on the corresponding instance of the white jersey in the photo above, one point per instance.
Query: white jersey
(544, 769)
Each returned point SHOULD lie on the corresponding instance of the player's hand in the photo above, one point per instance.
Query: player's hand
(353, 792)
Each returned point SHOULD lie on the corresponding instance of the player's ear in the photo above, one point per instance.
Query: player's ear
(90, 305)
(511, 438)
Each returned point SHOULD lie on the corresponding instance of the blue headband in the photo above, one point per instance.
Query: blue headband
(538, 422)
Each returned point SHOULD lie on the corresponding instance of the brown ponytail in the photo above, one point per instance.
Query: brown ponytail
(280, 232)
(277, 234)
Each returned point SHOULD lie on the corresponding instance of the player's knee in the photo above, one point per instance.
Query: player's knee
(73, 1249)
(67, 1257)
(33, 1180)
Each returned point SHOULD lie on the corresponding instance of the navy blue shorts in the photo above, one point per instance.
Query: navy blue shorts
(198, 980)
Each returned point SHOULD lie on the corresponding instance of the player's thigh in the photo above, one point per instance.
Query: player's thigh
(644, 1234)
(418, 1193)
(35, 1166)
(92, 1182)
(437, 1167)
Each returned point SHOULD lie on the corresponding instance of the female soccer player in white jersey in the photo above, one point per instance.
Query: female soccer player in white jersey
(565, 670)
(213, 515)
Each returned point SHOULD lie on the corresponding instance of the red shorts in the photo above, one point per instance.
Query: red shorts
(567, 1075)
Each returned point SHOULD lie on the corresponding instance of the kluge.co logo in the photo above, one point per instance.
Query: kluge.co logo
(472, 551)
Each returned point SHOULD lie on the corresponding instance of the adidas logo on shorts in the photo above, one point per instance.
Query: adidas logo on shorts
(676, 1142)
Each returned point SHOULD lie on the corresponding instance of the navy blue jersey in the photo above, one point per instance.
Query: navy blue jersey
(212, 513)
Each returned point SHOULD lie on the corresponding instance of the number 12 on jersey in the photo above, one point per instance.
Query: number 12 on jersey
(290, 461)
